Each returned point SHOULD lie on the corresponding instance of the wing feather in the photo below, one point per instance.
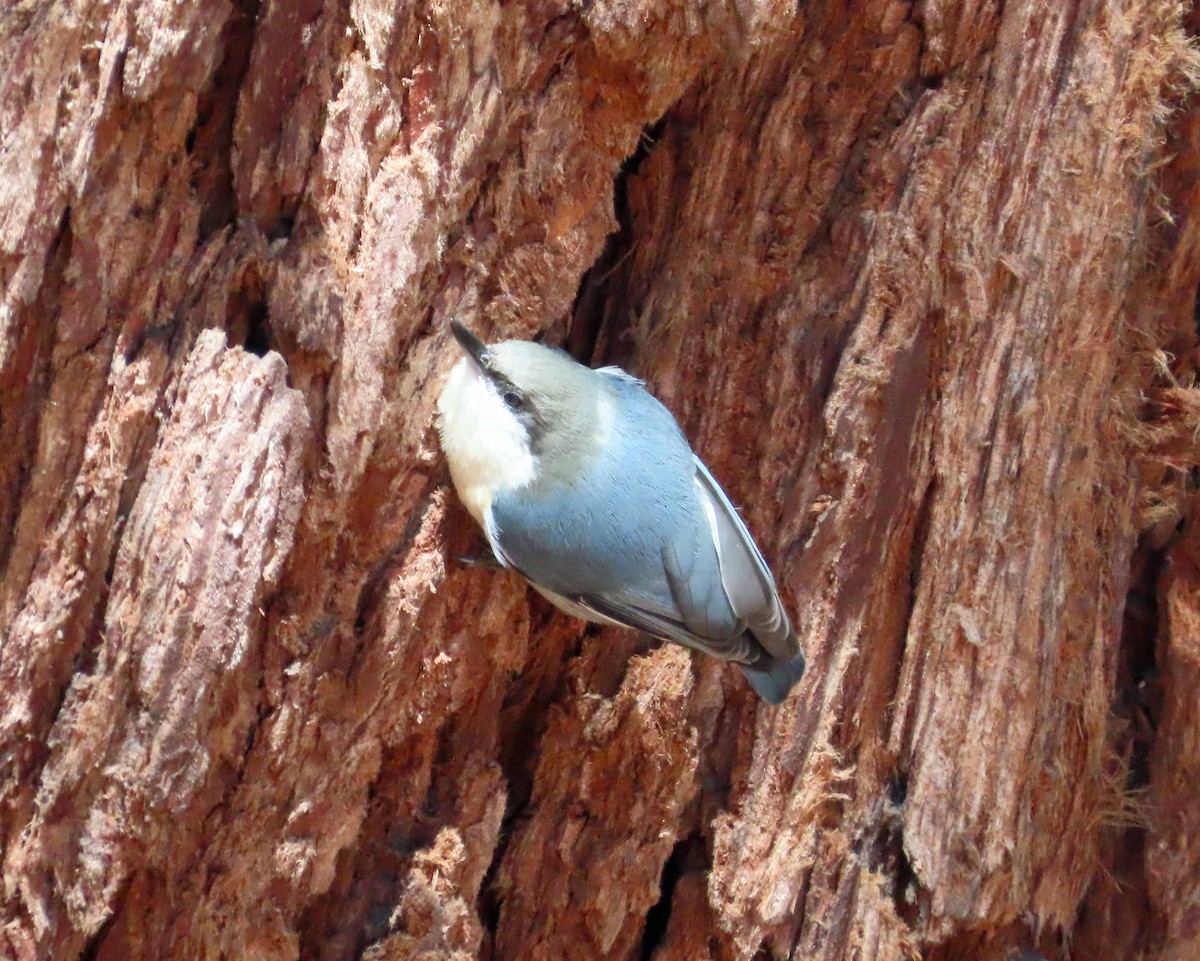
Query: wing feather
(744, 574)
(606, 608)
(737, 648)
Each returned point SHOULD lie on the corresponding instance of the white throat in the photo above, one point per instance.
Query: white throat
(486, 445)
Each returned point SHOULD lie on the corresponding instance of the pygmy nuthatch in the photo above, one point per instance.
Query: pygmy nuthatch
(585, 485)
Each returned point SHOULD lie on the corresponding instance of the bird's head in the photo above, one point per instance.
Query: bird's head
(513, 412)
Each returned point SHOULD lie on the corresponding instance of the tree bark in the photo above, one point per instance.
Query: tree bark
(918, 280)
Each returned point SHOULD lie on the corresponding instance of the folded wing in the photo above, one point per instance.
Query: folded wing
(713, 591)
(738, 647)
(744, 574)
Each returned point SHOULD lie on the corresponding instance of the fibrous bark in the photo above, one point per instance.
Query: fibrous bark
(916, 278)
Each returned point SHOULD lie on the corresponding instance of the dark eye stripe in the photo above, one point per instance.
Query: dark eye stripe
(513, 398)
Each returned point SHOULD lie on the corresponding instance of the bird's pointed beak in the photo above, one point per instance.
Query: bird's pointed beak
(476, 349)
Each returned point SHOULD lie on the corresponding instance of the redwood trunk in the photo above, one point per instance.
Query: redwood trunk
(917, 279)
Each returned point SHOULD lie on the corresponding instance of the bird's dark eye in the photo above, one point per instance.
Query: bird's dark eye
(513, 400)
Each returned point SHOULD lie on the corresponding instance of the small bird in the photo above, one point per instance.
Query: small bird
(584, 484)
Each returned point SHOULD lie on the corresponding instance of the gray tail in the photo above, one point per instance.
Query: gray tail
(773, 684)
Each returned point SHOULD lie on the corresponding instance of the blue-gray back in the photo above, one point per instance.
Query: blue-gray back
(605, 531)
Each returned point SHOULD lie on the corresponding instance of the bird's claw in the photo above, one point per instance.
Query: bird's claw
(471, 560)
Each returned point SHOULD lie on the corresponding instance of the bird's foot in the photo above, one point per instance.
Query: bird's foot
(471, 560)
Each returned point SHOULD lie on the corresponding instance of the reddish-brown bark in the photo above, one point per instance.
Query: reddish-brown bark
(918, 280)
